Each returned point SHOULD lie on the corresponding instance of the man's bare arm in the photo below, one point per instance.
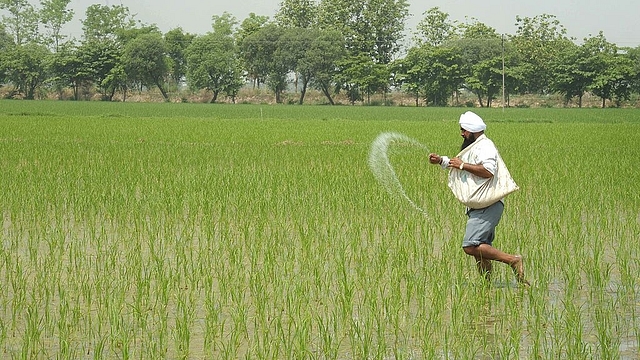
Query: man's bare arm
(475, 169)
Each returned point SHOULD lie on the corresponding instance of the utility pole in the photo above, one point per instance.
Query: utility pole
(503, 92)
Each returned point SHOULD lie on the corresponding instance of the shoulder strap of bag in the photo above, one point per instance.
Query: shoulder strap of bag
(475, 143)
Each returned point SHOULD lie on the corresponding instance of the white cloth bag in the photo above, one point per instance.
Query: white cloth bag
(476, 192)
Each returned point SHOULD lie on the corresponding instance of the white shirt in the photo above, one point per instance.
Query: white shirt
(484, 153)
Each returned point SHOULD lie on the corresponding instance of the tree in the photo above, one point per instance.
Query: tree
(362, 74)
(98, 58)
(22, 22)
(104, 22)
(538, 41)
(177, 43)
(321, 50)
(372, 27)
(613, 73)
(54, 15)
(213, 62)
(26, 67)
(248, 27)
(387, 22)
(68, 70)
(266, 53)
(571, 74)
(312, 55)
(435, 28)
(485, 80)
(6, 43)
(372, 30)
(145, 60)
(430, 72)
(633, 54)
(116, 79)
(297, 14)
(481, 51)
(407, 73)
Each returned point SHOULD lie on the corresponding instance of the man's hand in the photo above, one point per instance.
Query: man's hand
(435, 158)
(455, 163)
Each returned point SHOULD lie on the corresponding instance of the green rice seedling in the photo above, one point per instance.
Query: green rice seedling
(168, 230)
(183, 322)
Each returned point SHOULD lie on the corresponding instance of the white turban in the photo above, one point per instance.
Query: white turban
(472, 122)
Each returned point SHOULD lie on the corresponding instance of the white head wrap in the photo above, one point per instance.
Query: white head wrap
(472, 122)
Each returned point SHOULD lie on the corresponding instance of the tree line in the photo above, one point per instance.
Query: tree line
(335, 46)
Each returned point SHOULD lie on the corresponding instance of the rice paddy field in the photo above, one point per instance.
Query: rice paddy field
(196, 231)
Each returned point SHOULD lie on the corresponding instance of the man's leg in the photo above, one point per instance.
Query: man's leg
(484, 267)
(488, 252)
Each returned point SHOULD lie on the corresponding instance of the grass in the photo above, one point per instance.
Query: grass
(247, 231)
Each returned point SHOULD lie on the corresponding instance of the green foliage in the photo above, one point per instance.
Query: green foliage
(224, 25)
(612, 73)
(361, 74)
(248, 27)
(251, 25)
(97, 58)
(435, 28)
(26, 66)
(538, 41)
(214, 64)
(54, 15)
(145, 61)
(266, 52)
(372, 32)
(482, 65)
(372, 27)
(317, 62)
(297, 14)
(361, 42)
(432, 73)
(22, 21)
(571, 73)
(106, 22)
(177, 42)
(633, 54)
(68, 69)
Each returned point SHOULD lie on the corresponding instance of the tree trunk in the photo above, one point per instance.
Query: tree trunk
(163, 91)
(326, 93)
(303, 91)
(215, 96)
(580, 101)
(278, 97)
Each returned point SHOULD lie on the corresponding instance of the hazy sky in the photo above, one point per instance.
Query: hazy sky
(618, 19)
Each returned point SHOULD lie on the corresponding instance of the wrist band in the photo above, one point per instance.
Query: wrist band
(461, 166)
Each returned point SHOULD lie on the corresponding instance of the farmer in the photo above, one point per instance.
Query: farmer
(481, 163)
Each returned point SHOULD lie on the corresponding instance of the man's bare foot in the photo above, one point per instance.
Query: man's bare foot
(518, 268)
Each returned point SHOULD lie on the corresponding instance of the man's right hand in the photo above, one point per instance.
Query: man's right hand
(435, 158)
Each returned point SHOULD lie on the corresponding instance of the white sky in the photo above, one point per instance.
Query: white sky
(618, 19)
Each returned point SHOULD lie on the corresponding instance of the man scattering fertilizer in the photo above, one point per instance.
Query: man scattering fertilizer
(479, 179)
